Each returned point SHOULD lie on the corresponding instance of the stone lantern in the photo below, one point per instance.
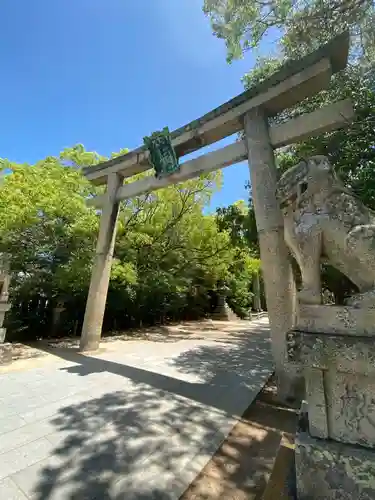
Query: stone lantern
(5, 349)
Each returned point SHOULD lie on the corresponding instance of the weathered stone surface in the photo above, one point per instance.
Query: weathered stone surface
(340, 385)
(315, 395)
(4, 277)
(276, 267)
(222, 311)
(332, 319)
(2, 334)
(97, 296)
(4, 308)
(4, 293)
(335, 352)
(328, 470)
(5, 353)
(350, 401)
(321, 217)
(335, 455)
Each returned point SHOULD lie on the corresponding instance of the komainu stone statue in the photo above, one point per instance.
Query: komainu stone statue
(324, 220)
(333, 345)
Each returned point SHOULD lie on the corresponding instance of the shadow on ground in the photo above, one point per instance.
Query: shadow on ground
(150, 438)
(242, 466)
(161, 333)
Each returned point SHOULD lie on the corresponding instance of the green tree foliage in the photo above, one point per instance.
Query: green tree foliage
(46, 226)
(236, 221)
(351, 150)
(169, 254)
(303, 26)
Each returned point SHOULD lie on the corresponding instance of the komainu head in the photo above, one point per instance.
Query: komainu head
(305, 179)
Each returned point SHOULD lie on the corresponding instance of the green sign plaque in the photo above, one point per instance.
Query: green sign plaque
(162, 154)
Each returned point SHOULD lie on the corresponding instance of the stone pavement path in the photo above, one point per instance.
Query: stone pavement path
(138, 420)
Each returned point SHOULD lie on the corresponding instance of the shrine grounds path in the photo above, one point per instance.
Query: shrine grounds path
(137, 420)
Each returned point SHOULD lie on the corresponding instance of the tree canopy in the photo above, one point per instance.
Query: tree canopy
(169, 254)
(299, 27)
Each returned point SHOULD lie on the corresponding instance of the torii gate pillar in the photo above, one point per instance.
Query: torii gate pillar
(101, 271)
(276, 267)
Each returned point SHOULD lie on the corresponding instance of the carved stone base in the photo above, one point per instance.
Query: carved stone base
(340, 384)
(4, 308)
(329, 470)
(5, 354)
(335, 445)
(331, 319)
(223, 312)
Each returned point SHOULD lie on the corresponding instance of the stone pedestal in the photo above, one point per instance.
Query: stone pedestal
(5, 349)
(56, 317)
(335, 346)
(326, 469)
(4, 308)
(5, 354)
(222, 311)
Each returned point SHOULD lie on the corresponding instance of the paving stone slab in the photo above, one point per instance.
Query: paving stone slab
(136, 421)
(9, 490)
(9, 424)
(24, 456)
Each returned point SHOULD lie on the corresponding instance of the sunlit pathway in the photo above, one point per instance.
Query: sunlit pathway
(137, 421)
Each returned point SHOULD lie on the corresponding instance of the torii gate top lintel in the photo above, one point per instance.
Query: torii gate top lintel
(293, 82)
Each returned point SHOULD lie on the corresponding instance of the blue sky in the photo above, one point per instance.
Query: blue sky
(107, 73)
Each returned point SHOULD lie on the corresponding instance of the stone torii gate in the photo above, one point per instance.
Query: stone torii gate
(249, 111)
